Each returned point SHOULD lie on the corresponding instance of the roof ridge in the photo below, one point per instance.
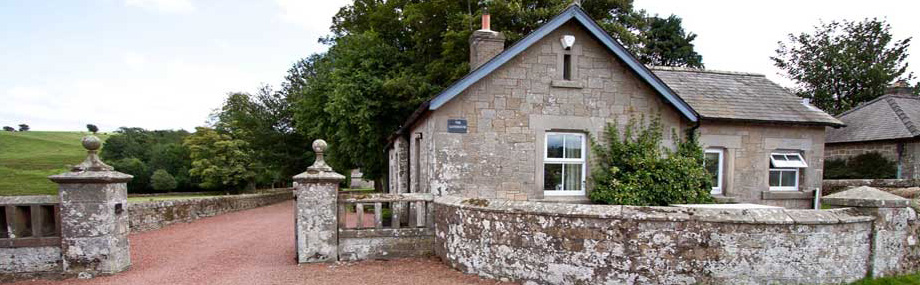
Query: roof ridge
(902, 116)
(703, 70)
(860, 106)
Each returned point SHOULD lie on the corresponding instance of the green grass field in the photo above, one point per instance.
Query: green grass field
(28, 158)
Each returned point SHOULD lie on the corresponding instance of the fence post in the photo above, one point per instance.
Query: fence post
(890, 231)
(316, 218)
(94, 216)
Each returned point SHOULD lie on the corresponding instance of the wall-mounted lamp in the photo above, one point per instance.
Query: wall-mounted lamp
(568, 41)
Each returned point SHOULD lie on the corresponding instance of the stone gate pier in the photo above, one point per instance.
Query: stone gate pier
(315, 228)
(82, 232)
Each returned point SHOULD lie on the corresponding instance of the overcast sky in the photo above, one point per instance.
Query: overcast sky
(166, 64)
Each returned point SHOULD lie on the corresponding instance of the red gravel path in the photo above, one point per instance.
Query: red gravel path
(256, 247)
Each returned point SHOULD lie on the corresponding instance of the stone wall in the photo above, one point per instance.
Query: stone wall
(830, 186)
(509, 111)
(747, 149)
(597, 244)
(386, 244)
(888, 149)
(21, 260)
(905, 153)
(28, 256)
(154, 215)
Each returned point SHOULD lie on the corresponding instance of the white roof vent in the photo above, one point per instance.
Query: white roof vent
(807, 103)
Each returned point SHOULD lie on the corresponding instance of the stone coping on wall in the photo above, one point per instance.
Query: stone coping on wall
(29, 200)
(144, 216)
(656, 213)
(835, 185)
(197, 200)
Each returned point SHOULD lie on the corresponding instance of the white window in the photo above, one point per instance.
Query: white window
(714, 158)
(564, 164)
(784, 170)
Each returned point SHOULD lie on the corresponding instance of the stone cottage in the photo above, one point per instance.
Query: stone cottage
(889, 125)
(517, 125)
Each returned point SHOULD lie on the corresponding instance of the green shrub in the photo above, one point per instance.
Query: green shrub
(162, 181)
(637, 170)
(870, 165)
(836, 169)
(136, 168)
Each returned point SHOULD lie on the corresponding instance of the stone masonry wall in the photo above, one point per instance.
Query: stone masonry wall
(388, 246)
(747, 149)
(888, 149)
(25, 260)
(154, 215)
(552, 243)
(509, 111)
(908, 159)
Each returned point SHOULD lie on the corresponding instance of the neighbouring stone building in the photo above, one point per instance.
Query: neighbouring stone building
(887, 125)
(517, 126)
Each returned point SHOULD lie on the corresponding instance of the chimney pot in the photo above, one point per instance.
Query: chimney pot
(485, 43)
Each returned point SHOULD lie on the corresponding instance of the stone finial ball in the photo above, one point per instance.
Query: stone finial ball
(91, 142)
(319, 146)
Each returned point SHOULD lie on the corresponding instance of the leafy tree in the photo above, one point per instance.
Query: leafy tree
(842, 64)
(159, 149)
(138, 169)
(174, 159)
(162, 181)
(92, 128)
(23, 128)
(666, 43)
(266, 122)
(637, 170)
(387, 57)
(9, 129)
(219, 160)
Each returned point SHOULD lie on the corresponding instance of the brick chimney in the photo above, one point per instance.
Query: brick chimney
(901, 87)
(485, 43)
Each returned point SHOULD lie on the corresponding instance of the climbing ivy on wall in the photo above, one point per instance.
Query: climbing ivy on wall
(635, 169)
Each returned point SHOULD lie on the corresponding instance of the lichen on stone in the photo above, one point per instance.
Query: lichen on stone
(476, 202)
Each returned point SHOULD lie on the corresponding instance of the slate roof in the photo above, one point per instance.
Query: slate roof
(887, 117)
(736, 96)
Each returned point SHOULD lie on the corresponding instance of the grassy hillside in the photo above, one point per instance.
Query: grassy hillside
(28, 158)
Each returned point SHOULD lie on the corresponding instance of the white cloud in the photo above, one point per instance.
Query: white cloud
(166, 94)
(313, 16)
(135, 61)
(742, 35)
(168, 6)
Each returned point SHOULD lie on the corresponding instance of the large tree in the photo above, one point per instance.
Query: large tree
(387, 57)
(265, 121)
(220, 161)
(664, 42)
(843, 63)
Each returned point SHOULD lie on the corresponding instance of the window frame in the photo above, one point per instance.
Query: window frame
(717, 189)
(548, 160)
(567, 66)
(799, 161)
(786, 167)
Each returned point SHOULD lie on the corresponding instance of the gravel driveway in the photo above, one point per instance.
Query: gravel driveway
(256, 247)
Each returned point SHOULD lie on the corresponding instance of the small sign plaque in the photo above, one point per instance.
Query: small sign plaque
(456, 126)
